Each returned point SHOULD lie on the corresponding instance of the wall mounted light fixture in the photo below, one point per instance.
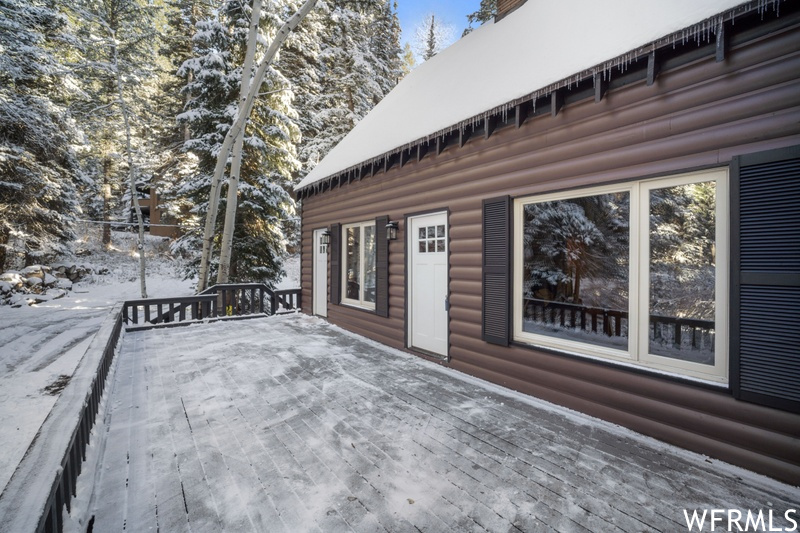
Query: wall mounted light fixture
(391, 231)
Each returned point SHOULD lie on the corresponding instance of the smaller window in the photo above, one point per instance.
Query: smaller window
(359, 275)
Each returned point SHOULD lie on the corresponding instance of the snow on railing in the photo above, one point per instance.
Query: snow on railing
(219, 301)
(64, 485)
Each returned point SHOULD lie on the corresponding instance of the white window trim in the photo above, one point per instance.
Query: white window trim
(637, 353)
(361, 303)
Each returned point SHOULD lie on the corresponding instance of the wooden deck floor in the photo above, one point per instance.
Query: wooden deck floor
(288, 424)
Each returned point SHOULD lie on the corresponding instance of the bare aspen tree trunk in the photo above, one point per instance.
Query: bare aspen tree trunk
(226, 247)
(106, 189)
(131, 174)
(238, 126)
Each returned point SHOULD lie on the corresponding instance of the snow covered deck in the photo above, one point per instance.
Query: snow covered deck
(290, 424)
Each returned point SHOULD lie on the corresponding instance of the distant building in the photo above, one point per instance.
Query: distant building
(157, 222)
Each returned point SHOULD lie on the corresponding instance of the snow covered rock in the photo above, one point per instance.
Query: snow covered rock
(18, 300)
(51, 294)
(64, 283)
(5, 287)
(12, 278)
(35, 270)
(33, 281)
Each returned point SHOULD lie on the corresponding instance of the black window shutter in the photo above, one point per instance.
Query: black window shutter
(496, 327)
(335, 250)
(382, 268)
(765, 278)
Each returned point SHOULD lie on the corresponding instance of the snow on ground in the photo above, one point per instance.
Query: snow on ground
(41, 345)
(292, 278)
(292, 424)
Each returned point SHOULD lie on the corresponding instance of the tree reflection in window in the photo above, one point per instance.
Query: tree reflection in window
(575, 268)
(353, 263)
(682, 271)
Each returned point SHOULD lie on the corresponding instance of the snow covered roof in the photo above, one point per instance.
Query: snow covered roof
(541, 46)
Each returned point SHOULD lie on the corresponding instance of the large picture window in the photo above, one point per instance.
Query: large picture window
(359, 274)
(635, 272)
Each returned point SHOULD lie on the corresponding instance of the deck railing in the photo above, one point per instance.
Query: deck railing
(219, 301)
(65, 483)
(613, 322)
(250, 299)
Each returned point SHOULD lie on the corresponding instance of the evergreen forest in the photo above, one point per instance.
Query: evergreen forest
(98, 94)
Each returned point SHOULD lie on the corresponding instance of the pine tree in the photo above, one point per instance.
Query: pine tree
(116, 38)
(570, 242)
(682, 250)
(359, 63)
(300, 61)
(270, 137)
(486, 12)
(38, 169)
(175, 164)
(432, 36)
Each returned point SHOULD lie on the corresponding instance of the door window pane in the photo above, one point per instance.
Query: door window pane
(575, 269)
(683, 272)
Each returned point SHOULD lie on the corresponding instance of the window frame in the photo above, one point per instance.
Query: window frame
(637, 353)
(361, 302)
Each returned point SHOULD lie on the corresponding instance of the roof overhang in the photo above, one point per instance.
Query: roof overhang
(469, 88)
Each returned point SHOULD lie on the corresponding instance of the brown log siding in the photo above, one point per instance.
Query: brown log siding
(699, 115)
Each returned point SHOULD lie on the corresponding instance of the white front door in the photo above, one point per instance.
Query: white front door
(428, 323)
(320, 282)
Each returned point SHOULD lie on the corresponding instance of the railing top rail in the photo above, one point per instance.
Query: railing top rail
(287, 291)
(232, 286)
(175, 300)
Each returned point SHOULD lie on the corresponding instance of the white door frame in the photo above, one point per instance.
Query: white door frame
(319, 274)
(440, 299)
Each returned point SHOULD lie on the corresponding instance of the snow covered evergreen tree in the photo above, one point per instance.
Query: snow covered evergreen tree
(300, 61)
(432, 36)
(570, 243)
(117, 37)
(683, 250)
(270, 137)
(38, 169)
(175, 163)
(358, 64)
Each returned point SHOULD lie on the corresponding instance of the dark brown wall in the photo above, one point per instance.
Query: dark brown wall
(698, 115)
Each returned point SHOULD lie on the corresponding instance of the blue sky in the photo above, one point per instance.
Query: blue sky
(453, 12)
